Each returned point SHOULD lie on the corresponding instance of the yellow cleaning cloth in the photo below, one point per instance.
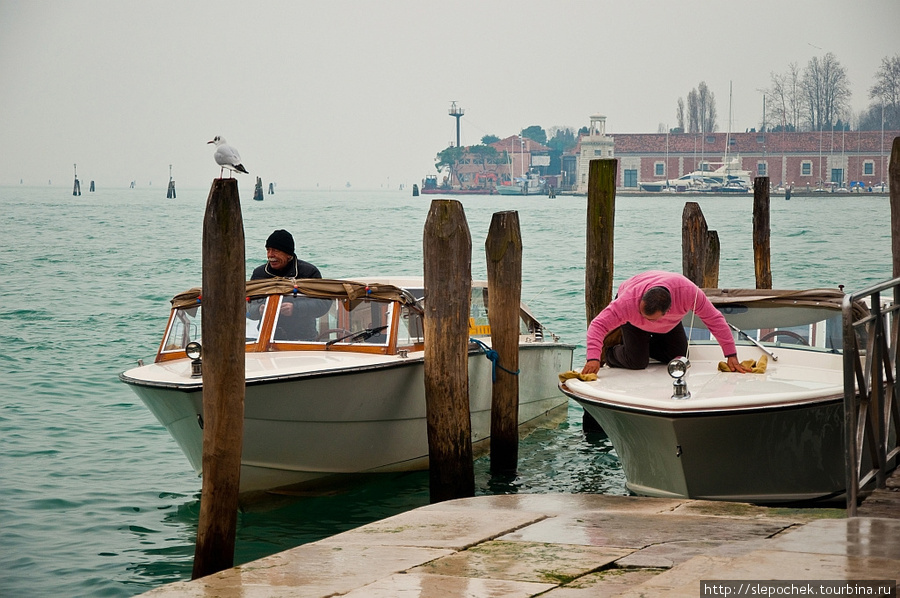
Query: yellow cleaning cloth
(575, 374)
(755, 367)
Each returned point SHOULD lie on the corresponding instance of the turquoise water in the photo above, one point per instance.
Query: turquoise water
(95, 497)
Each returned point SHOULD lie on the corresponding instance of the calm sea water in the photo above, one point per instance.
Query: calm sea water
(95, 497)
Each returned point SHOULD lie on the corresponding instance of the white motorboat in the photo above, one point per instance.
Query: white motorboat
(530, 184)
(346, 396)
(769, 437)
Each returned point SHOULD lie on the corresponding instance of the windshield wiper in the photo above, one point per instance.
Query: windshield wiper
(353, 337)
(753, 340)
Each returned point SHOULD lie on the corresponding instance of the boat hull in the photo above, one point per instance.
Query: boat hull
(304, 427)
(775, 437)
(747, 457)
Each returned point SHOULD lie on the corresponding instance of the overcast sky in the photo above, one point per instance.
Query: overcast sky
(328, 92)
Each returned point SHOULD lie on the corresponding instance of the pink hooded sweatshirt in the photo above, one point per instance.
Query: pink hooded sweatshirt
(686, 296)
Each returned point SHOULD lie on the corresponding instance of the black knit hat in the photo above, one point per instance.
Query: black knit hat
(282, 241)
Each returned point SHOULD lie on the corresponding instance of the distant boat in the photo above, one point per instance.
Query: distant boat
(530, 184)
(728, 177)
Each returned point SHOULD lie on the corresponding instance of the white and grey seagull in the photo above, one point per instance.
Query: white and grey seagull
(227, 157)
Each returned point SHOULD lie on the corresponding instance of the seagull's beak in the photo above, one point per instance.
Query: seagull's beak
(208, 142)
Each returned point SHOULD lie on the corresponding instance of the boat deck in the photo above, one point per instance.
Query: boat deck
(569, 546)
(796, 377)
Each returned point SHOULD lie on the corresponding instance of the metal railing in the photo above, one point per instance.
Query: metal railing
(871, 409)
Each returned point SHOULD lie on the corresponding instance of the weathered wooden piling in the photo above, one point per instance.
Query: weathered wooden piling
(222, 321)
(894, 183)
(503, 248)
(447, 251)
(711, 267)
(92, 187)
(699, 248)
(258, 190)
(601, 209)
(170, 191)
(415, 190)
(271, 188)
(761, 252)
(76, 189)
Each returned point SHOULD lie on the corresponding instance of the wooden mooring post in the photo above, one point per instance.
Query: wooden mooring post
(601, 210)
(76, 189)
(761, 249)
(699, 248)
(222, 321)
(503, 248)
(894, 185)
(447, 252)
(170, 192)
(258, 190)
(598, 268)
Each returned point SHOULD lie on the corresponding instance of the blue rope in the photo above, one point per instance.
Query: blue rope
(493, 357)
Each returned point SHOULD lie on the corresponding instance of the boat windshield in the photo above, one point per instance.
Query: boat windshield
(332, 321)
(186, 325)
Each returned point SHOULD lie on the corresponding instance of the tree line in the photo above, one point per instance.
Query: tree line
(814, 98)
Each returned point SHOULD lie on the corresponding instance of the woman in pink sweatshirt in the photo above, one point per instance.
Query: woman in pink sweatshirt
(649, 308)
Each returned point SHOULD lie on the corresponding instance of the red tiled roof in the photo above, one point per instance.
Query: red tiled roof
(531, 146)
(748, 143)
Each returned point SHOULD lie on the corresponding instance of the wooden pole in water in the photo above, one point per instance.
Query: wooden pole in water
(447, 250)
(711, 265)
(601, 209)
(222, 321)
(894, 182)
(258, 190)
(503, 248)
(694, 243)
(761, 251)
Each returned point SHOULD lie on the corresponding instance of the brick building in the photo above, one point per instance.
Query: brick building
(816, 159)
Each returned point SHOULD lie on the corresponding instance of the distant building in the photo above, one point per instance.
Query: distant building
(515, 157)
(813, 159)
(596, 144)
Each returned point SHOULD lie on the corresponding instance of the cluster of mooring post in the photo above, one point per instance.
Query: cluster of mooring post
(92, 187)
(447, 249)
(222, 321)
(170, 192)
(76, 190)
(271, 188)
(415, 190)
(258, 190)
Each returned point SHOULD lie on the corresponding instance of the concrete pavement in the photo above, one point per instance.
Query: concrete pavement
(567, 546)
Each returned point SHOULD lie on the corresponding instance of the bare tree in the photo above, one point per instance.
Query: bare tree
(701, 110)
(826, 91)
(886, 91)
(785, 102)
(679, 114)
(707, 108)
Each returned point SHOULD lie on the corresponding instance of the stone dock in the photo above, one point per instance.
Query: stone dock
(573, 546)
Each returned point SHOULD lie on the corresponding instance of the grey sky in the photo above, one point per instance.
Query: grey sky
(322, 93)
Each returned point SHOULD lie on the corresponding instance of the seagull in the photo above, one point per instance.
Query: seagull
(227, 157)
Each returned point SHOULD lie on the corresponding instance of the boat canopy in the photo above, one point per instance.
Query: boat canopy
(821, 298)
(324, 288)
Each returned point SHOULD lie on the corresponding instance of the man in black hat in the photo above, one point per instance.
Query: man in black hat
(281, 260)
(297, 315)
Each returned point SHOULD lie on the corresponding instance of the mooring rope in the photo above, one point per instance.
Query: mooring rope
(493, 357)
